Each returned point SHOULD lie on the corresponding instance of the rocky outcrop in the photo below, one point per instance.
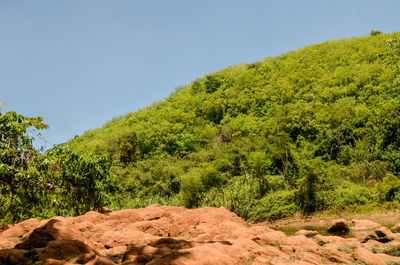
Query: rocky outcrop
(176, 235)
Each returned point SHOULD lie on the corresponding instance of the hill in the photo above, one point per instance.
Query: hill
(312, 129)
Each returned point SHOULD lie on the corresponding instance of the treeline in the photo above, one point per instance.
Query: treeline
(58, 182)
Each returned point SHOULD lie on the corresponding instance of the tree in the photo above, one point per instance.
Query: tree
(309, 178)
(279, 150)
(258, 166)
(392, 56)
(375, 32)
(60, 181)
(17, 153)
(127, 147)
(79, 180)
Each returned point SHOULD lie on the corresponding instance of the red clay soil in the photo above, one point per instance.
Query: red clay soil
(176, 235)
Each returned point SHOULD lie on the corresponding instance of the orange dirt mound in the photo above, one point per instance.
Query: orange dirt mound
(176, 235)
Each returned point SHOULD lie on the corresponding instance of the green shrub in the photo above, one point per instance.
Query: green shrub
(192, 187)
(239, 195)
(349, 193)
(389, 189)
(275, 205)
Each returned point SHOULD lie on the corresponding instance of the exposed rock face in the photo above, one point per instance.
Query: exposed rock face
(176, 235)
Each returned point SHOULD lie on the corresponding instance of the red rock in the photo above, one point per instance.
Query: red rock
(55, 262)
(175, 235)
(381, 234)
(64, 249)
(287, 249)
(389, 259)
(100, 261)
(362, 225)
(16, 233)
(367, 257)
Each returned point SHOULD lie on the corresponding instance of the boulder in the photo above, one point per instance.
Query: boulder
(339, 226)
(391, 248)
(380, 234)
(366, 230)
(363, 225)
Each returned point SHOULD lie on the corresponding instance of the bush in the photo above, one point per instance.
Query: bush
(77, 181)
(191, 188)
(349, 193)
(239, 195)
(275, 205)
(389, 189)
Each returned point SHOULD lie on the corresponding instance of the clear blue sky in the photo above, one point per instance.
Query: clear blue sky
(79, 63)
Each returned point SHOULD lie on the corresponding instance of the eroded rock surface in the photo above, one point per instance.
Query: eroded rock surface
(176, 235)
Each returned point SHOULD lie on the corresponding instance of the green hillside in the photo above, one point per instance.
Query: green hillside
(313, 129)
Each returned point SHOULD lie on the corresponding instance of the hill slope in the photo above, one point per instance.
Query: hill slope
(312, 129)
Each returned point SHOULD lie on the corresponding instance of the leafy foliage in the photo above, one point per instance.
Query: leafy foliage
(308, 130)
(17, 154)
(60, 181)
(77, 180)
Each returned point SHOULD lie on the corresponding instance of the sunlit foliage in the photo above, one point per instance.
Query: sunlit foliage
(308, 130)
(58, 182)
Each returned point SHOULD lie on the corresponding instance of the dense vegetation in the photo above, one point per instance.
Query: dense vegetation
(58, 182)
(313, 129)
